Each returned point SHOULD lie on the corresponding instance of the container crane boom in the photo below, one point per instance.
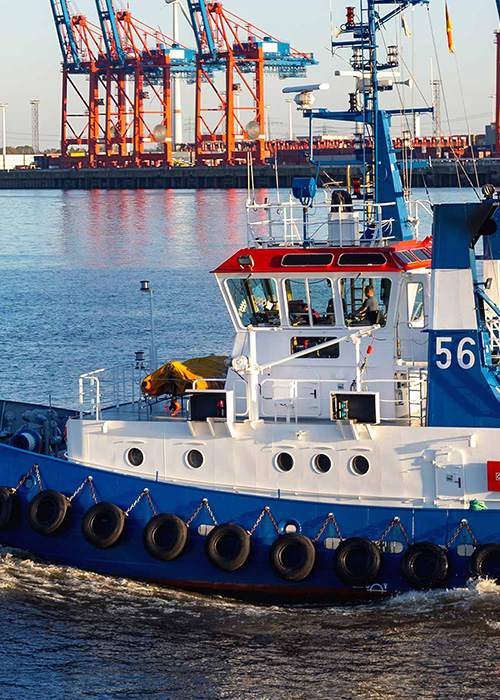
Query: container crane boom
(112, 38)
(66, 33)
(203, 32)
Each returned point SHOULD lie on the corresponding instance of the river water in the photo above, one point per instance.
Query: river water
(70, 266)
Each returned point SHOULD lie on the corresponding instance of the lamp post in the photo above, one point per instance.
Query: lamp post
(153, 353)
(3, 107)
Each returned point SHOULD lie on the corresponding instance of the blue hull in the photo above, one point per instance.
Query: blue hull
(192, 570)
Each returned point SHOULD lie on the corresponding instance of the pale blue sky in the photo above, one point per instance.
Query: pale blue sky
(30, 59)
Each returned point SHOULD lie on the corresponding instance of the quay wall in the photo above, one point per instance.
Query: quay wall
(441, 174)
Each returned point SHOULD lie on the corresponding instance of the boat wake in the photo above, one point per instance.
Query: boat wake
(196, 647)
(23, 573)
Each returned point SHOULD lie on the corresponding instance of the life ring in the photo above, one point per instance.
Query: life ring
(292, 556)
(165, 536)
(103, 525)
(10, 507)
(485, 562)
(49, 512)
(425, 565)
(228, 546)
(357, 561)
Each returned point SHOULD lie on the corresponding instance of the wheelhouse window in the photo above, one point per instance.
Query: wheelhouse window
(416, 304)
(365, 300)
(304, 343)
(255, 300)
(310, 302)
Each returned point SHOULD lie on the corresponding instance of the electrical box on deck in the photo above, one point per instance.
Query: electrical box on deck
(211, 404)
(358, 406)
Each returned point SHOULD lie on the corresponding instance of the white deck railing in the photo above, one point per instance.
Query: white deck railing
(282, 397)
(288, 223)
(115, 386)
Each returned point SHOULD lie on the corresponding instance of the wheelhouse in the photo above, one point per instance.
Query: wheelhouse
(301, 299)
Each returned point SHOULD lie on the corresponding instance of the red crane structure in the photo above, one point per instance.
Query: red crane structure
(81, 47)
(120, 114)
(147, 59)
(233, 123)
(127, 104)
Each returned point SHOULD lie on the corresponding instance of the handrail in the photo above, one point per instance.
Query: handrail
(94, 382)
(123, 380)
(283, 222)
(415, 397)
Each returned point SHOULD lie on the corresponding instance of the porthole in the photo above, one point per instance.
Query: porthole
(322, 463)
(135, 457)
(284, 461)
(360, 465)
(195, 459)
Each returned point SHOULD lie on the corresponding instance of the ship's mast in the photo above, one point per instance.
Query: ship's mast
(375, 156)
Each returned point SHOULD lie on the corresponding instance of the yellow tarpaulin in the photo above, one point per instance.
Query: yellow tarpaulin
(175, 378)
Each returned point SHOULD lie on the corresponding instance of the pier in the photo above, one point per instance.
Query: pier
(442, 173)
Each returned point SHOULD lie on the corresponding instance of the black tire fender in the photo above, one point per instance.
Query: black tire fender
(49, 512)
(357, 561)
(103, 525)
(485, 562)
(165, 537)
(228, 546)
(292, 556)
(10, 508)
(425, 565)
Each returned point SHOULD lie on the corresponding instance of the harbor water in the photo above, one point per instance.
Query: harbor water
(70, 265)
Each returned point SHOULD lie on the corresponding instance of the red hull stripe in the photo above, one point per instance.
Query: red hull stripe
(293, 592)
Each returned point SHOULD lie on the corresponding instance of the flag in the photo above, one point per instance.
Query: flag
(448, 29)
(406, 28)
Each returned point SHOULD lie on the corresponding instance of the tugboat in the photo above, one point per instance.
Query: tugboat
(347, 445)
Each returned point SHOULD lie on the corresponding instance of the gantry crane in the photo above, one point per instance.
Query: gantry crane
(145, 58)
(123, 53)
(221, 46)
(81, 48)
(126, 53)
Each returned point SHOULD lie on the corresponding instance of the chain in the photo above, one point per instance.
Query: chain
(210, 511)
(35, 469)
(88, 480)
(395, 521)
(150, 501)
(329, 517)
(204, 503)
(463, 524)
(141, 495)
(93, 490)
(266, 511)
